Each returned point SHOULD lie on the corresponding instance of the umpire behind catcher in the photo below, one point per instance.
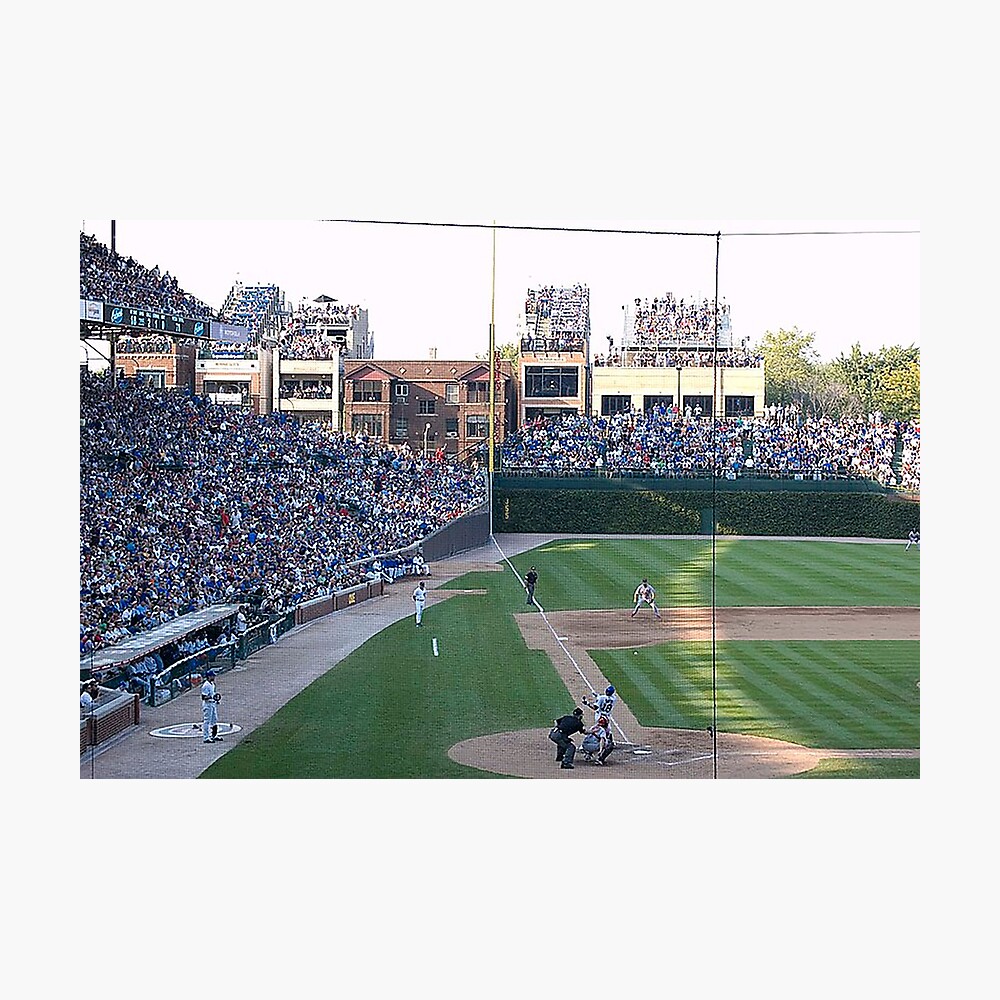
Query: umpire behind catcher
(560, 735)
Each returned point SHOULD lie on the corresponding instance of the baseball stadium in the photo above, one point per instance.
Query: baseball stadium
(675, 550)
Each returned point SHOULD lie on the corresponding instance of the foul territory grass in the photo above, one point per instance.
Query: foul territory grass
(837, 695)
(391, 709)
(603, 573)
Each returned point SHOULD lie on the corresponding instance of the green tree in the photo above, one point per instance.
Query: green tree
(887, 380)
(790, 365)
(899, 392)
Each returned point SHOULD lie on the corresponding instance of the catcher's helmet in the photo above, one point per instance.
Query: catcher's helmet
(610, 689)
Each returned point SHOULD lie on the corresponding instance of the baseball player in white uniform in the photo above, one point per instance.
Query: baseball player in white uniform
(419, 598)
(210, 699)
(914, 539)
(644, 594)
(603, 706)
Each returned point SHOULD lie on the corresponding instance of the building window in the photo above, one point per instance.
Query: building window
(451, 427)
(152, 376)
(610, 405)
(367, 423)
(402, 390)
(368, 391)
(402, 427)
(739, 406)
(650, 403)
(551, 381)
(477, 425)
(427, 406)
(479, 392)
(451, 392)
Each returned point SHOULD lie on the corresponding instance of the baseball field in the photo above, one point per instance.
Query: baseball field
(802, 655)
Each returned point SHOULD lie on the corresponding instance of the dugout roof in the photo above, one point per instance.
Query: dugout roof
(155, 638)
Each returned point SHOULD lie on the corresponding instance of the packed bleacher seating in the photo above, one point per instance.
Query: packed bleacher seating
(307, 335)
(252, 306)
(567, 311)
(185, 504)
(667, 320)
(780, 442)
(106, 276)
(909, 466)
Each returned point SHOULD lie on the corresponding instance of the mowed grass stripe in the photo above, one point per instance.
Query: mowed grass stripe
(812, 693)
(819, 681)
(599, 573)
(879, 708)
(797, 706)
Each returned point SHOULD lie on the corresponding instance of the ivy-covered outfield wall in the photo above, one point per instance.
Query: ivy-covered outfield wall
(835, 509)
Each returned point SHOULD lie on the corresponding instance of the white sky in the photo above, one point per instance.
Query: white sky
(431, 287)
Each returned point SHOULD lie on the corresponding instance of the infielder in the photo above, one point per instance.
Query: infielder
(644, 594)
(419, 597)
(210, 699)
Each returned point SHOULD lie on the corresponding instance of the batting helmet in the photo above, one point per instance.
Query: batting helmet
(610, 689)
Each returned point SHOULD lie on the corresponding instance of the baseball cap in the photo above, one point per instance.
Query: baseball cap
(578, 711)
(209, 673)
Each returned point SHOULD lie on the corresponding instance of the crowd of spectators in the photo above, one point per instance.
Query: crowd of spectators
(252, 306)
(307, 335)
(735, 357)
(305, 389)
(909, 466)
(782, 441)
(566, 309)
(145, 345)
(668, 320)
(326, 314)
(184, 504)
(107, 276)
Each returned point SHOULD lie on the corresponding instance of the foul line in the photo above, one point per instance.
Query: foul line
(625, 740)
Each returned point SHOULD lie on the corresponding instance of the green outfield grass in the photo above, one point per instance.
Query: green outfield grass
(840, 695)
(603, 573)
(391, 709)
(885, 768)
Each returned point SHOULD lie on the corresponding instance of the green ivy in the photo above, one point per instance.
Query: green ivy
(633, 511)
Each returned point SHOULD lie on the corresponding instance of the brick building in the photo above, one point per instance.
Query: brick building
(430, 404)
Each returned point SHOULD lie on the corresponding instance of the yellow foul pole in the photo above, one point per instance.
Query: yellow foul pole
(493, 374)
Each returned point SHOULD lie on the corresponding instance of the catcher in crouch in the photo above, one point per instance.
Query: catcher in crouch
(210, 699)
(598, 744)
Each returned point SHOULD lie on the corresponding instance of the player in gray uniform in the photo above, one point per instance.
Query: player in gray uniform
(644, 594)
